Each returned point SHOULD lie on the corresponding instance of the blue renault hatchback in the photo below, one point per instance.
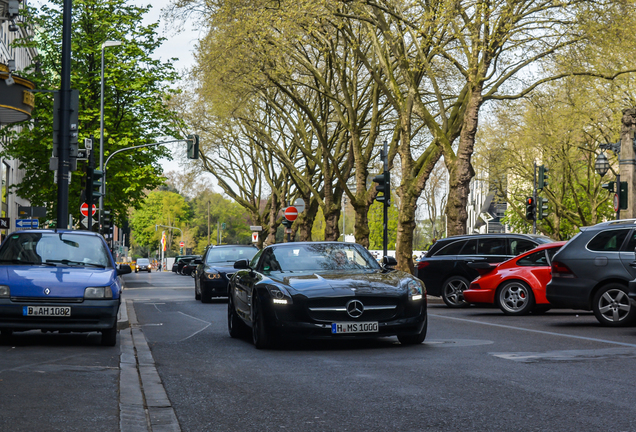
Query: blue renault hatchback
(59, 280)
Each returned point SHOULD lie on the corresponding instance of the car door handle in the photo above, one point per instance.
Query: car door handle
(632, 264)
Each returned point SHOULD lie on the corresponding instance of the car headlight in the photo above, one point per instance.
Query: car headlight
(98, 293)
(279, 295)
(5, 292)
(213, 275)
(415, 290)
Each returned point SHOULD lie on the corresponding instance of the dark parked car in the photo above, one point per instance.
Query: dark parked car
(179, 262)
(593, 270)
(445, 271)
(216, 268)
(59, 280)
(190, 265)
(329, 290)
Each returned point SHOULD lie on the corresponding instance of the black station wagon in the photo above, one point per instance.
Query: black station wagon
(445, 271)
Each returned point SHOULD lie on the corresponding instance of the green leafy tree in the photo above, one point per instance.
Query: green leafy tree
(136, 91)
(376, 226)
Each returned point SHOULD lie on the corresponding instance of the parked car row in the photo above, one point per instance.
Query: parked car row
(595, 270)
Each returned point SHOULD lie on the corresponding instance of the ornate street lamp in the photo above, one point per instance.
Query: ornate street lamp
(602, 164)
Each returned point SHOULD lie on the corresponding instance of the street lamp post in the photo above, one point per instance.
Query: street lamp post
(101, 125)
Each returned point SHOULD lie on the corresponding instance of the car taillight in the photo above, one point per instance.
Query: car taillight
(423, 264)
(561, 270)
(474, 286)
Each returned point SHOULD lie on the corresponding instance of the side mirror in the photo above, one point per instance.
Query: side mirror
(242, 264)
(389, 261)
(123, 269)
(198, 261)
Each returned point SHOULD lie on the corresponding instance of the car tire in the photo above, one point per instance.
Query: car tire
(261, 336)
(235, 325)
(515, 298)
(415, 339)
(148, 270)
(136, 271)
(453, 291)
(109, 336)
(197, 292)
(612, 307)
(206, 296)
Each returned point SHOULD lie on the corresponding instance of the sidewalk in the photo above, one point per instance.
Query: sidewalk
(143, 402)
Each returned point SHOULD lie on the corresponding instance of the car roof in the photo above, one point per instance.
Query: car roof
(234, 245)
(611, 224)
(56, 231)
(549, 245)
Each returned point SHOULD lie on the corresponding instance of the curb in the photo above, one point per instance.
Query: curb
(122, 315)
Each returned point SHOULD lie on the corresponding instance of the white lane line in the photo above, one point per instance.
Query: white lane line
(536, 331)
(198, 319)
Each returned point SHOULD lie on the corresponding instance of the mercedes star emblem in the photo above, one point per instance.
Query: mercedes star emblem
(355, 308)
(47, 291)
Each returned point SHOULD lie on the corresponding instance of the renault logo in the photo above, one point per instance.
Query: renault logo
(355, 308)
(47, 291)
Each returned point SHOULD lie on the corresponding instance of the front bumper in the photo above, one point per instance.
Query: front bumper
(283, 323)
(214, 288)
(90, 315)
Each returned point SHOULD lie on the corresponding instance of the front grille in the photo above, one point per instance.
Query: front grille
(46, 300)
(375, 309)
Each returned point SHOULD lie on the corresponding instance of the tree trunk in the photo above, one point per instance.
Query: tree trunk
(307, 218)
(460, 170)
(362, 230)
(272, 225)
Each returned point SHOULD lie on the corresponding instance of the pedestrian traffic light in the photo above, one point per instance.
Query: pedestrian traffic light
(543, 177)
(287, 223)
(530, 208)
(384, 187)
(193, 146)
(543, 208)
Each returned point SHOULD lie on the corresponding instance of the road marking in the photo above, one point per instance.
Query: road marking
(568, 355)
(198, 319)
(536, 331)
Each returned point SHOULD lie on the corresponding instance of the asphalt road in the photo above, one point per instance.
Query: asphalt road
(477, 370)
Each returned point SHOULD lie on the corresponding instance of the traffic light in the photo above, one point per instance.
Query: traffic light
(609, 186)
(623, 196)
(383, 186)
(287, 223)
(543, 208)
(530, 208)
(193, 146)
(94, 179)
(543, 177)
(106, 221)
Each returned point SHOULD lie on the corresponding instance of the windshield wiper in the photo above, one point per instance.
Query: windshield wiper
(71, 262)
(17, 261)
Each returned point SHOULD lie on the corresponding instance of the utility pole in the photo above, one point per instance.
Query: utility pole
(208, 223)
(534, 195)
(64, 149)
(627, 163)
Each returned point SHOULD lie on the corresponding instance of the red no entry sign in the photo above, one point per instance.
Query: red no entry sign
(291, 213)
(84, 209)
(615, 202)
(181, 244)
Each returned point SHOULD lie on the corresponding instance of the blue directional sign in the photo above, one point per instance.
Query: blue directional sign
(27, 223)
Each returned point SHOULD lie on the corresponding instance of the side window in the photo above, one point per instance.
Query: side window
(551, 252)
(254, 261)
(470, 248)
(519, 246)
(269, 263)
(492, 246)
(631, 243)
(608, 241)
(451, 249)
(534, 259)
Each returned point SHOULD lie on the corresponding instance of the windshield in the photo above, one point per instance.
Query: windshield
(54, 248)
(143, 261)
(229, 254)
(319, 256)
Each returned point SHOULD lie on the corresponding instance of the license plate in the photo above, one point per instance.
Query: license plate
(49, 311)
(361, 327)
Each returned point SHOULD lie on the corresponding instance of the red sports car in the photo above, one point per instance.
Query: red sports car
(516, 286)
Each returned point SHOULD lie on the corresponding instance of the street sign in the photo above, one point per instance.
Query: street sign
(291, 213)
(27, 223)
(5, 223)
(256, 228)
(82, 154)
(615, 202)
(254, 237)
(181, 244)
(300, 205)
(84, 210)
